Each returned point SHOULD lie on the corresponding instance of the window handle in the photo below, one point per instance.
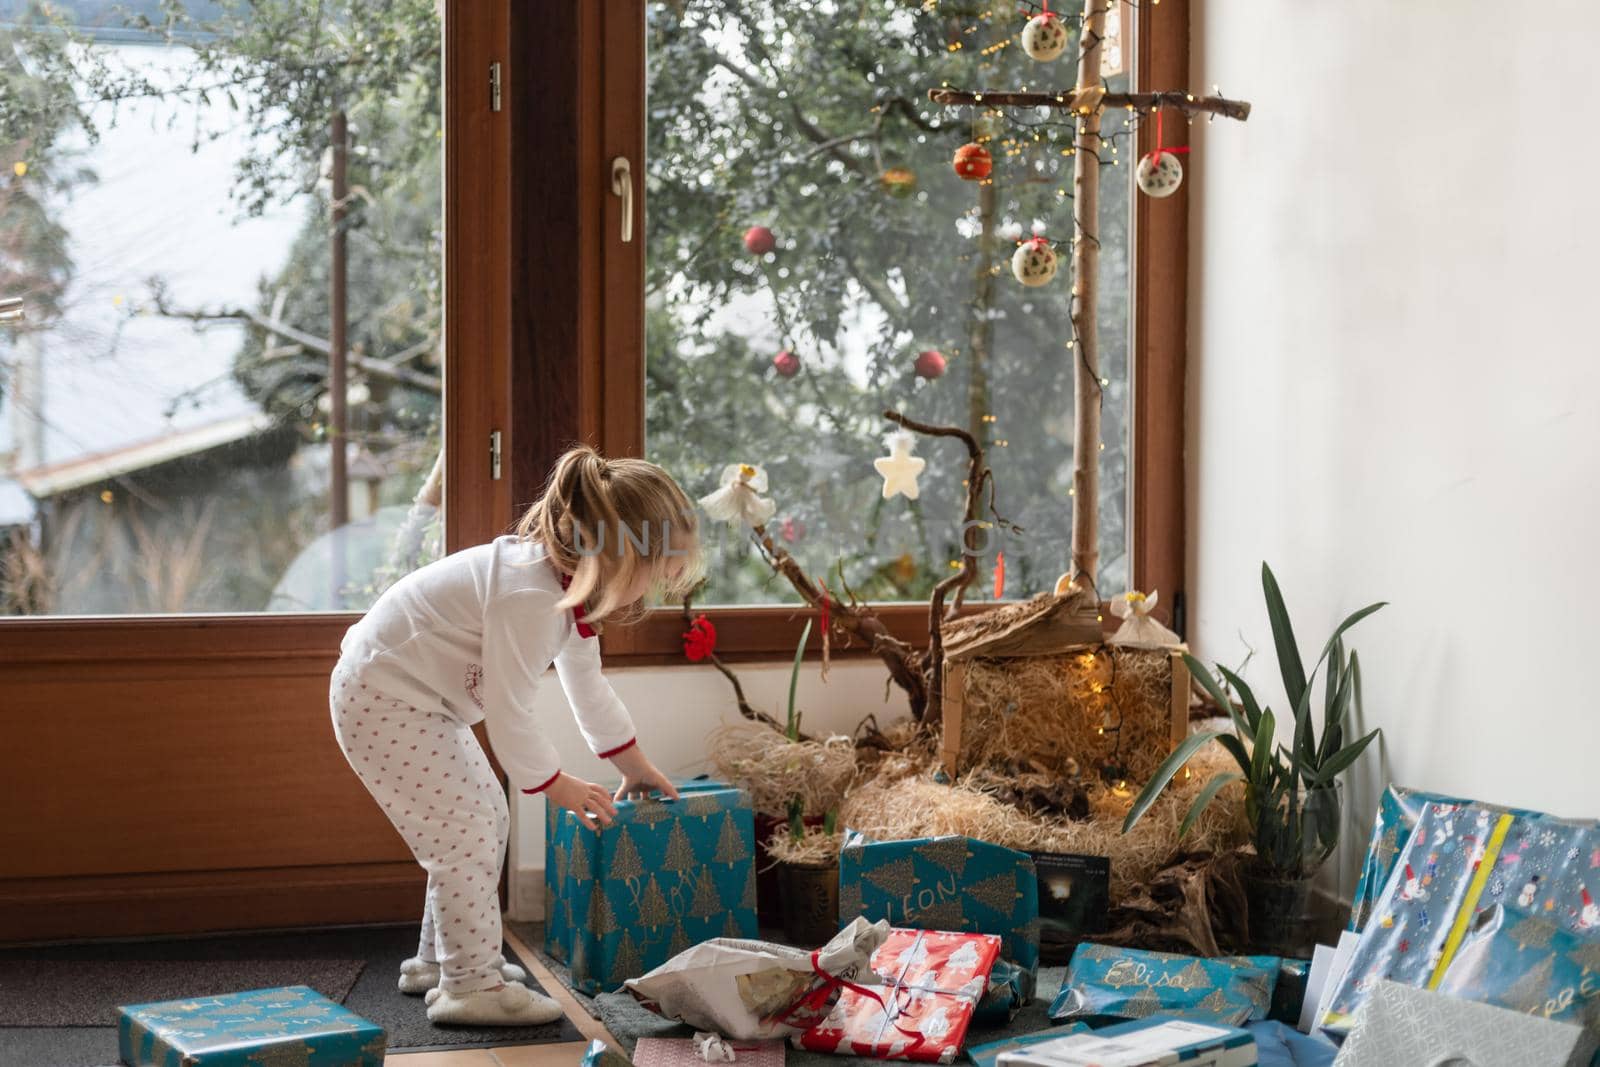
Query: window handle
(622, 185)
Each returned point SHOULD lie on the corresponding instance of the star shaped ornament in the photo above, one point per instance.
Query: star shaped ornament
(899, 469)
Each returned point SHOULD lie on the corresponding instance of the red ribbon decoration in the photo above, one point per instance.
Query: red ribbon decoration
(999, 575)
(1155, 157)
(813, 1002)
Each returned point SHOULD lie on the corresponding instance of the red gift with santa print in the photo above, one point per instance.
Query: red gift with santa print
(931, 982)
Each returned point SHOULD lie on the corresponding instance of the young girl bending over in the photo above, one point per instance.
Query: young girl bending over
(466, 639)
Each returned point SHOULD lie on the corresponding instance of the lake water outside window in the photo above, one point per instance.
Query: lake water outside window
(167, 415)
(813, 258)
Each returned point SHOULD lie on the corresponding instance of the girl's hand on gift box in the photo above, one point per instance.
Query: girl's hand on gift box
(591, 802)
(640, 777)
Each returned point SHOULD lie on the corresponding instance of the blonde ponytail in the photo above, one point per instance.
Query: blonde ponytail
(603, 522)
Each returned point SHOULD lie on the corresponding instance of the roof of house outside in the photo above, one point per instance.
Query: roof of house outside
(54, 479)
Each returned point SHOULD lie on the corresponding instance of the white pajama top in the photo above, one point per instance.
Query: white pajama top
(472, 633)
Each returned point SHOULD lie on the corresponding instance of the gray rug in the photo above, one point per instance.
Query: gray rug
(36, 992)
(627, 1021)
(373, 996)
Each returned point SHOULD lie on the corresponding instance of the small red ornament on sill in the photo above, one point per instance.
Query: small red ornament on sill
(758, 241)
(786, 363)
(999, 575)
(792, 529)
(700, 639)
(973, 162)
(930, 364)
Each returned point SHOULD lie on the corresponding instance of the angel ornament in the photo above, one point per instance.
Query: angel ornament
(739, 499)
(1138, 629)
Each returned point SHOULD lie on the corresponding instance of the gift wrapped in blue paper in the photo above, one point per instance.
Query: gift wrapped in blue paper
(1460, 860)
(952, 884)
(1527, 963)
(665, 875)
(294, 1024)
(1398, 811)
(1104, 981)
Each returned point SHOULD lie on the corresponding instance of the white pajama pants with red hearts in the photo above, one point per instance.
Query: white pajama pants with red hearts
(432, 779)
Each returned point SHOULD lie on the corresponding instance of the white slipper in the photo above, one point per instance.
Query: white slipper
(418, 976)
(510, 1005)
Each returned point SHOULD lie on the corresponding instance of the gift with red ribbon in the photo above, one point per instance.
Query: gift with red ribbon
(755, 990)
(930, 983)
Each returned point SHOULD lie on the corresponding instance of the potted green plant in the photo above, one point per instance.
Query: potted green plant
(806, 855)
(1289, 770)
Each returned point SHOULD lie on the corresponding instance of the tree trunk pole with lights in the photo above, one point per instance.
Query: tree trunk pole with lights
(1085, 289)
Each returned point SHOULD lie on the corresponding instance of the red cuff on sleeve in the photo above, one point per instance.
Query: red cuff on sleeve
(619, 749)
(584, 629)
(547, 785)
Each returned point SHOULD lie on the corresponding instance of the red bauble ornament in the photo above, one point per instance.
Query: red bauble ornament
(700, 639)
(786, 363)
(973, 162)
(793, 529)
(758, 241)
(930, 364)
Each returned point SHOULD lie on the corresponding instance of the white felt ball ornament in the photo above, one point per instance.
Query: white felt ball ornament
(1159, 174)
(1044, 38)
(1034, 262)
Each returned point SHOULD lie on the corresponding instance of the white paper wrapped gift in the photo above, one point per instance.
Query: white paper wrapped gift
(1402, 1025)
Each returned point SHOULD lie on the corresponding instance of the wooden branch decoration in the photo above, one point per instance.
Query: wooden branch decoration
(1087, 103)
(977, 475)
(920, 674)
(1176, 99)
(853, 620)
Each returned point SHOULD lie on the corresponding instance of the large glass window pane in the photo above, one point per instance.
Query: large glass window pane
(801, 200)
(168, 431)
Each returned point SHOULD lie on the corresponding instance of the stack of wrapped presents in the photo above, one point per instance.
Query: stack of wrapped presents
(1474, 934)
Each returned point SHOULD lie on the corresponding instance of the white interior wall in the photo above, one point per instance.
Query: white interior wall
(1394, 382)
(675, 710)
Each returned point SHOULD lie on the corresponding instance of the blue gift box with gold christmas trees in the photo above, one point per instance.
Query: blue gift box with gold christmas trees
(663, 877)
(292, 1024)
(954, 884)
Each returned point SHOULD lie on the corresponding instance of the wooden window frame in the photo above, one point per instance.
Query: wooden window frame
(119, 716)
(579, 362)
